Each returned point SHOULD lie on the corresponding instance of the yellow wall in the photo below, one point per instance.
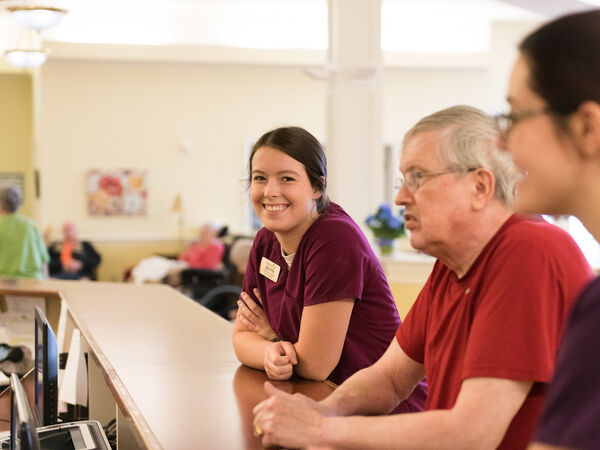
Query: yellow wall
(136, 115)
(117, 257)
(405, 295)
(407, 272)
(16, 131)
(108, 114)
(111, 115)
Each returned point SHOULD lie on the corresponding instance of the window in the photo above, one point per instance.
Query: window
(588, 244)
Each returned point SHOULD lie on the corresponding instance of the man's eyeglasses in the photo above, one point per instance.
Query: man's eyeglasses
(505, 121)
(414, 179)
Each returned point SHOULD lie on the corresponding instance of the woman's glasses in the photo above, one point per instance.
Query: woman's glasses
(505, 121)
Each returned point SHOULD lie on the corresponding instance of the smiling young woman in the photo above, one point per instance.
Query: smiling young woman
(316, 302)
(282, 196)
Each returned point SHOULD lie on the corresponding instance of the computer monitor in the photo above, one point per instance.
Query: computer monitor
(23, 434)
(46, 370)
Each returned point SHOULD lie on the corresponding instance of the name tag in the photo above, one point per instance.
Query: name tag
(269, 269)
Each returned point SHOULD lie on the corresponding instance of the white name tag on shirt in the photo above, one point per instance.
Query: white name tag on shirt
(269, 269)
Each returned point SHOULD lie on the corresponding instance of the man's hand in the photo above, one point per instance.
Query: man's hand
(291, 421)
(279, 360)
(253, 317)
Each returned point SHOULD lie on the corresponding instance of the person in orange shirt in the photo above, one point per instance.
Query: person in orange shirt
(73, 259)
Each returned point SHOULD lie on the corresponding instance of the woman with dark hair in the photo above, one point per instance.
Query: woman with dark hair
(553, 133)
(316, 302)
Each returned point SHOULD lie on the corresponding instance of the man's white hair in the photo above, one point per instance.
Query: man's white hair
(470, 140)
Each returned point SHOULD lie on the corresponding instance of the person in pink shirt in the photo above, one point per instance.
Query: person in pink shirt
(207, 251)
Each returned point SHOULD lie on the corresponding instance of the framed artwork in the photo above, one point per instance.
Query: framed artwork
(119, 192)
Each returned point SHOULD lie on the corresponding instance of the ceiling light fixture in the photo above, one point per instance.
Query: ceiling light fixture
(28, 52)
(25, 59)
(34, 17)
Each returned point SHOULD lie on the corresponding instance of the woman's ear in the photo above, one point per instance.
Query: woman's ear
(318, 194)
(585, 129)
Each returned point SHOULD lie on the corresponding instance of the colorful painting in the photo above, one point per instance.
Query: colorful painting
(121, 192)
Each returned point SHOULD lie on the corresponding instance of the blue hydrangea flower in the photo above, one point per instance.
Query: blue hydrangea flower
(384, 224)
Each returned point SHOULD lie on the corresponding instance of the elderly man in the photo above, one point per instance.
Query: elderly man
(73, 259)
(484, 330)
(22, 249)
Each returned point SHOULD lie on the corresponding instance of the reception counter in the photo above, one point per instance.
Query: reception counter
(160, 364)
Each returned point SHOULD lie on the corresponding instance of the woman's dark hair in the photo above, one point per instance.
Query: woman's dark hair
(564, 60)
(304, 148)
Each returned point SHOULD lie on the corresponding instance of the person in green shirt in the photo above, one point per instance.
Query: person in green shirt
(23, 251)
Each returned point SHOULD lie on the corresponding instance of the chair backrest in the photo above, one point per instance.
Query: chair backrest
(197, 282)
(222, 299)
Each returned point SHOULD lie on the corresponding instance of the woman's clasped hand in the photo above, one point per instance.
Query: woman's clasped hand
(253, 316)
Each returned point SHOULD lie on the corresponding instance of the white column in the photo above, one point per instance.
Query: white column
(354, 149)
(506, 37)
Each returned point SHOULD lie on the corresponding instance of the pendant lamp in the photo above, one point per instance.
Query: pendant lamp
(28, 52)
(25, 59)
(36, 17)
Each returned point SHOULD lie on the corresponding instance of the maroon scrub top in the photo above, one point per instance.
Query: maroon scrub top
(333, 261)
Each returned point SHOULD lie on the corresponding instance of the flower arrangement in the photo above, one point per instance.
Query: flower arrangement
(386, 227)
(385, 224)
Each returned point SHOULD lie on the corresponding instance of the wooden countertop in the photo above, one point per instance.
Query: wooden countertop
(168, 361)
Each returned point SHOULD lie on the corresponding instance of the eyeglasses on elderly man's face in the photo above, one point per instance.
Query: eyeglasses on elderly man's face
(505, 121)
(414, 178)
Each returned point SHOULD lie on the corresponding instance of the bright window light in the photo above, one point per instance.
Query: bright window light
(413, 28)
(588, 245)
(264, 24)
(416, 26)
(431, 26)
(275, 25)
(114, 22)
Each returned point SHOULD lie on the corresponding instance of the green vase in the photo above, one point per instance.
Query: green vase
(386, 245)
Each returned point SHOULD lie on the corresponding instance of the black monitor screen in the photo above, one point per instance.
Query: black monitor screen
(46, 370)
(13, 420)
(23, 434)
